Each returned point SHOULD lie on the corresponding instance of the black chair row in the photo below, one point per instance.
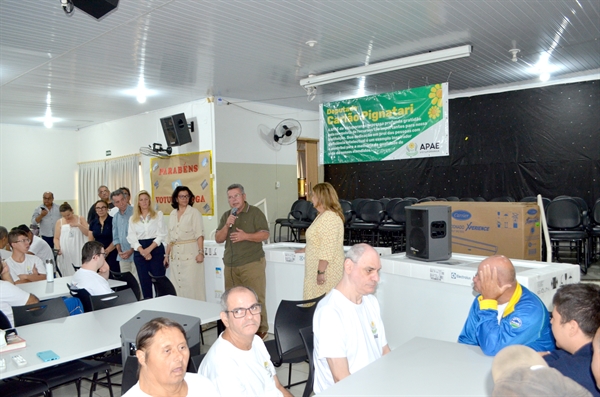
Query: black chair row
(570, 221)
(300, 217)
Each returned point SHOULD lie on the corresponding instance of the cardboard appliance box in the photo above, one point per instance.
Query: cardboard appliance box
(490, 228)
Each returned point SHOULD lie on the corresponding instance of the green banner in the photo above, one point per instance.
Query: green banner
(397, 125)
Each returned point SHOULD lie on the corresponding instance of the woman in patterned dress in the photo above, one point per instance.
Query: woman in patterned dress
(324, 249)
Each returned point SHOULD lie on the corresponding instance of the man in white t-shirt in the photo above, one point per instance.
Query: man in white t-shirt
(238, 363)
(24, 268)
(347, 325)
(93, 274)
(37, 247)
(11, 295)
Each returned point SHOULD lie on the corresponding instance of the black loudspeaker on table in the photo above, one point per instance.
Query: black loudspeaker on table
(428, 232)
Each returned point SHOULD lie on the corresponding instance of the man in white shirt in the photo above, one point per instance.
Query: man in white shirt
(93, 274)
(24, 268)
(238, 363)
(11, 295)
(45, 216)
(37, 247)
(349, 333)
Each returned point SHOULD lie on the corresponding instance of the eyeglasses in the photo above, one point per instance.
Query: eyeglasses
(234, 196)
(25, 240)
(183, 197)
(101, 208)
(241, 312)
(104, 254)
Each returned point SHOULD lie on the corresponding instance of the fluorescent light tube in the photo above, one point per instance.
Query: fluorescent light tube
(388, 66)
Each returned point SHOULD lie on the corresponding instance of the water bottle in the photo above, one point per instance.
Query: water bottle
(49, 270)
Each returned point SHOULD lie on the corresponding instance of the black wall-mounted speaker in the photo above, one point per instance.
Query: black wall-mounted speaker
(96, 8)
(428, 232)
(176, 130)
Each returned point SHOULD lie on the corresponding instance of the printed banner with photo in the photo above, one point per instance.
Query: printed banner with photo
(193, 170)
(396, 125)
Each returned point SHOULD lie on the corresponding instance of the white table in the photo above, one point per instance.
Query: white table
(45, 290)
(90, 333)
(433, 299)
(422, 367)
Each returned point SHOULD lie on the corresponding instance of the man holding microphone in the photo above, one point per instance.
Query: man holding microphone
(243, 229)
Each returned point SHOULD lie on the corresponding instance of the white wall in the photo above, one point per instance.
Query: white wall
(242, 156)
(126, 136)
(34, 160)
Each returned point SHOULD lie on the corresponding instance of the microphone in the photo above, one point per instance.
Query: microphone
(234, 213)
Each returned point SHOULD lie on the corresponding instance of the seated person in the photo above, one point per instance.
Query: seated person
(349, 333)
(38, 246)
(11, 295)
(518, 371)
(4, 253)
(163, 356)
(505, 312)
(575, 319)
(238, 362)
(93, 273)
(24, 268)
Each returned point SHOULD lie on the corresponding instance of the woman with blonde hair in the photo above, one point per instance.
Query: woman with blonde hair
(324, 260)
(70, 234)
(146, 234)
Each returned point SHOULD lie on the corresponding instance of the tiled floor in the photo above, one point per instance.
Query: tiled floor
(299, 373)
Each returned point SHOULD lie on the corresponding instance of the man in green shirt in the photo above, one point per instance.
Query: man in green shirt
(243, 229)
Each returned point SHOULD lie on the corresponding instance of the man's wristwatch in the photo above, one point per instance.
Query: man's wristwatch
(320, 272)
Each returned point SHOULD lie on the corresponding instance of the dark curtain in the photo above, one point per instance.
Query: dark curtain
(520, 143)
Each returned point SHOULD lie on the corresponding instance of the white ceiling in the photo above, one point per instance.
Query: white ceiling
(255, 50)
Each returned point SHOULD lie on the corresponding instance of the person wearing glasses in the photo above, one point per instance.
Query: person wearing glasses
(24, 268)
(243, 230)
(45, 217)
(94, 271)
(11, 295)
(101, 230)
(104, 195)
(146, 234)
(238, 363)
(185, 246)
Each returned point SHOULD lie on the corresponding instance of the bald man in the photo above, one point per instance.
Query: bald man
(505, 312)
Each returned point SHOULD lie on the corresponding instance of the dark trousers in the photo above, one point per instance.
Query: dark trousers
(154, 266)
(49, 240)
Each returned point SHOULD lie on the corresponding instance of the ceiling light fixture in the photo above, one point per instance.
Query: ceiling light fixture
(388, 66)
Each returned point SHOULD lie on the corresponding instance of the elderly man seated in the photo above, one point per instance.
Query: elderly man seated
(93, 274)
(238, 362)
(505, 312)
(349, 332)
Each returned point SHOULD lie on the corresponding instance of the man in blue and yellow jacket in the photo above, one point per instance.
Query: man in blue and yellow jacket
(505, 313)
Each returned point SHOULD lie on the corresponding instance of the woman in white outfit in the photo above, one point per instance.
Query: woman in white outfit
(185, 248)
(146, 233)
(70, 234)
